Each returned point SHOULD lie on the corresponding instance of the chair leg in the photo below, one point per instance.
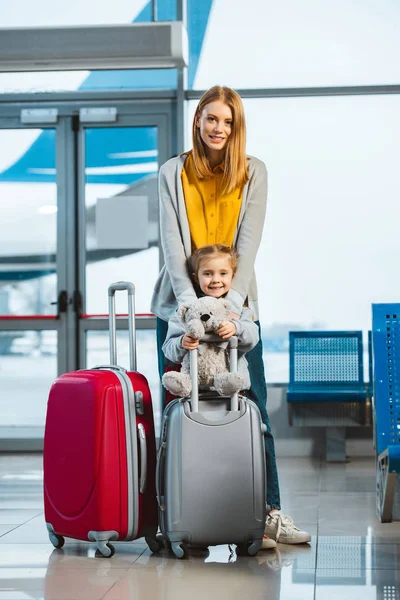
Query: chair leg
(290, 414)
(335, 444)
(385, 488)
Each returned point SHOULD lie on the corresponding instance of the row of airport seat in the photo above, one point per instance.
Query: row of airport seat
(326, 385)
(327, 389)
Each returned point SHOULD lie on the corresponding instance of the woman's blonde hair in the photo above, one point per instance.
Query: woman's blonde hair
(236, 170)
(213, 251)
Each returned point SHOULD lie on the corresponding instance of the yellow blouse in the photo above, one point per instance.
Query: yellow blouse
(212, 216)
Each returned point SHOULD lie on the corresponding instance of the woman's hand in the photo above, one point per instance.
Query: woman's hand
(189, 342)
(226, 330)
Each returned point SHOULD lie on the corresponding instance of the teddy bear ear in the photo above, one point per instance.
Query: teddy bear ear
(181, 311)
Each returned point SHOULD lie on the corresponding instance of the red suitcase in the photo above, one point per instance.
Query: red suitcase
(100, 451)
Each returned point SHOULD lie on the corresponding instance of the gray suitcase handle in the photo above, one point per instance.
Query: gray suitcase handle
(130, 288)
(233, 345)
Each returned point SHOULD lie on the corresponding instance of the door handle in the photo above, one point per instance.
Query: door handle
(61, 302)
(77, 302)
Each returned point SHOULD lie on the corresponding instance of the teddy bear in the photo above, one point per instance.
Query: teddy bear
(204, 315)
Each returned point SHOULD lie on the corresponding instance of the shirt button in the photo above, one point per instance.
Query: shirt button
(211, 233)
(212, 195)
(212, 214)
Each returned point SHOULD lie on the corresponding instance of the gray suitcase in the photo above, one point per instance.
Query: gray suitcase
(210, 476)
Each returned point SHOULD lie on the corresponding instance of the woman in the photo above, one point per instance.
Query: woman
(214, 194)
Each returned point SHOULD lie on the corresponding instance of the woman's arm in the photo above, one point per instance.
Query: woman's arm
(249, 236)
(171, 238)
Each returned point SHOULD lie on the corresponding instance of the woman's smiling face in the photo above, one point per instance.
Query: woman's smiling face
(215, 125)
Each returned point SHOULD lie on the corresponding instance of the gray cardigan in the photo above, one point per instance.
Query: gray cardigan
(174, 285)
(246, 331)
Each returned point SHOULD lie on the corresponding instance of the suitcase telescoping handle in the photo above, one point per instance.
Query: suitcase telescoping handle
(233, 346)
(130, 288)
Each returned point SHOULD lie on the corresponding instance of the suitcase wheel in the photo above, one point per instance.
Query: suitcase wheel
(248, 549)
(180, 549)
(253, 548)
(57, 540)
(164, 543)
(105, 551)
(155, 543)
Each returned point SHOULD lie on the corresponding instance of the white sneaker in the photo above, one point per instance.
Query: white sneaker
(267, 543)
(282, 529)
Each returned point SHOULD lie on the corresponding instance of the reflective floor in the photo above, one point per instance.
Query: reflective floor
(352, 555)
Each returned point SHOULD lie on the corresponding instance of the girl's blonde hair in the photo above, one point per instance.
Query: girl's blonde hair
(236, 170)
(213, 251)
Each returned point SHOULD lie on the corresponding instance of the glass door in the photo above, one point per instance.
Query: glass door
(119, 234)
(78, 210)
(32, 307)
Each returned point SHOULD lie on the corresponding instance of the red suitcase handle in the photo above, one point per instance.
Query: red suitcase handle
(130, 288)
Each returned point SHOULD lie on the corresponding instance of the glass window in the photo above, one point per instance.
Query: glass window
(42, 13)
(61, 81)
(330, 246)
(269, 44)
(100, 12)
(69, 81)
(198, 18)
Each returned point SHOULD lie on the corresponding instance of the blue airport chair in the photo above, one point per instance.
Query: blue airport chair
(386, 404)
(326, 384)
(370, 368)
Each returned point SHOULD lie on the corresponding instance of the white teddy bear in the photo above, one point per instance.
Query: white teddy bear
(202, 316)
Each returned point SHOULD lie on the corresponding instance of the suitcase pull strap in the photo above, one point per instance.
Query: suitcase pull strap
(143, 458)
(233, 346)
(130, 288)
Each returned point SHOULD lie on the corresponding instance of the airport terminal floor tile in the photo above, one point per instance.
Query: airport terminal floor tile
(351, 556)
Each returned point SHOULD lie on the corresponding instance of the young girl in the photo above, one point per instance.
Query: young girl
(215, 193)
(213, 270)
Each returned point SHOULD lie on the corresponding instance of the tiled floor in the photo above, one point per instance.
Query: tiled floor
(352, 555)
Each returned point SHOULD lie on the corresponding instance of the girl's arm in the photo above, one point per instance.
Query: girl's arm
(249, 236)
(172, 346)
(247, 331)
(171, 239)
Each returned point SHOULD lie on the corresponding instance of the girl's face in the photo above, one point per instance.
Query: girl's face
(215, 125)
(215, 276)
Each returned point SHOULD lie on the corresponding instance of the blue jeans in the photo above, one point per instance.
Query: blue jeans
(257, 393)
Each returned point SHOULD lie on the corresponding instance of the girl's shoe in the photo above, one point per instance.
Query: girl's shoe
(282, 529)
(267, 543)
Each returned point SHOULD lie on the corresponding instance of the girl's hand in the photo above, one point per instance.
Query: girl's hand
(233, 315)
(189, 342)
(226, 330)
